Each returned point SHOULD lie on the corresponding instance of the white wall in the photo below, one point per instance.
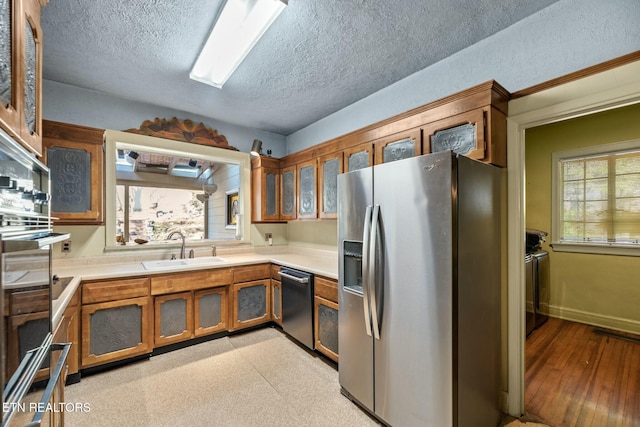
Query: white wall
(70, 104)
(567, 36)
(227, 178)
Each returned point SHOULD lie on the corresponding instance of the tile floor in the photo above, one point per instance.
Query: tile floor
(259, 378)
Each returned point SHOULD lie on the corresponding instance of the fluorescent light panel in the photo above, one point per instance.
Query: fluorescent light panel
(238, 28)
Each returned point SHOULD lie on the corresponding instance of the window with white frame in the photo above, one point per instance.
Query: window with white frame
(596, 205)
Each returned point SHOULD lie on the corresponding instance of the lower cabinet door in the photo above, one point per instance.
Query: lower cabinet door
(210, 312)
(326, 327)
(251, 303)
(173, 318)
(276, 302)
(116, 330)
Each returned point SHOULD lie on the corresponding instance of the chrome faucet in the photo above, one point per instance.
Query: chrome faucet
(179, 233)
(214, 250)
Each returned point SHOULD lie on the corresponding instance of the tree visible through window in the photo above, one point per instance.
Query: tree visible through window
(599, 198)
(150, 213)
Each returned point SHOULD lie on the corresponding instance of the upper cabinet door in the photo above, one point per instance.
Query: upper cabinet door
(463, 134)
(398, 146)
(288, 193)
(30, 58)
(265, 190)
(358, 157)
(75, 156)
(329, 167)
(307, 189)
(9, 77)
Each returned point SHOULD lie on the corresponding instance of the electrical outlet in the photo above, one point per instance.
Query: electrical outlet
(66, 246)
(267, 236)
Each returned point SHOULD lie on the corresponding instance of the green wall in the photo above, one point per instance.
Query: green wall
(597, 289)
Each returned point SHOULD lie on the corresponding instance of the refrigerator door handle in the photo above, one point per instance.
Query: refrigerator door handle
(372, 270)
(365, 269)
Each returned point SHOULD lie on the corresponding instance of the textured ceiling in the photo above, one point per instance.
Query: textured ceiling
(318, 57)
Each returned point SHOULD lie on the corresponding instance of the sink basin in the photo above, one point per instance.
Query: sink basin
(174, 263)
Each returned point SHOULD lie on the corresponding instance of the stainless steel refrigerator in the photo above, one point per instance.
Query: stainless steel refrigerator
(419, 290)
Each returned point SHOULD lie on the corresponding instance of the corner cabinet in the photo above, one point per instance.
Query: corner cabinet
(75, 156)
(21, 72)
(265, 190)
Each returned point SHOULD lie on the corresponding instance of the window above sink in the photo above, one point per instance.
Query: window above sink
(155, 186)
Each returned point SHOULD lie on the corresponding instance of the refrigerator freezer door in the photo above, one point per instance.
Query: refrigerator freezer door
(355, 192)
(414, 356)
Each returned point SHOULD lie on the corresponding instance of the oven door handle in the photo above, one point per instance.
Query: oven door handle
(53, 381)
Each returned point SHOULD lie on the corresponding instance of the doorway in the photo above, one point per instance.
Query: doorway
(604, 91)
(592, 297)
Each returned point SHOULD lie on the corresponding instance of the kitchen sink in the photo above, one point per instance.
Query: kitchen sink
(173, 263)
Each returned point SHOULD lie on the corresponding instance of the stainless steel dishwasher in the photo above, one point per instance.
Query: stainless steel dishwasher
(297, 305)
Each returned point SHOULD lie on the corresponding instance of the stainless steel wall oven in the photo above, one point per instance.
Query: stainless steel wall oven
(26, 238)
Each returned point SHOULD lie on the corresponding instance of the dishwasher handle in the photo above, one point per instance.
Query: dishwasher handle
(294, 278)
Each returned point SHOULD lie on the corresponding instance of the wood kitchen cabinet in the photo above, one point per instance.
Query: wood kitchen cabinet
(398, 146)
(265, 190)
(276, 295)
(250, 296)
(72, 319)
(190, 304)
(116, 320)
(307, 176)
(326, 317)
(470, 134)
(75, 156)
(329, 167)
(21, 76)
(358, 157)
(288, 193)
(173, 318)
(210, 311)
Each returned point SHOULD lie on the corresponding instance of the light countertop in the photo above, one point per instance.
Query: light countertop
(315, 261)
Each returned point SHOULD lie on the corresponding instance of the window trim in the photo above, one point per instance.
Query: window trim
(556, 201)
(131, 141)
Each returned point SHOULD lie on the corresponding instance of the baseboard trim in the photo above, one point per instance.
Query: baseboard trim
(610, 322)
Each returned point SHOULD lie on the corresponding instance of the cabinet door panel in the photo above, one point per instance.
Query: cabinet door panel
(9, 78)
(115, 330)
(358, 157)
(173, 318)
(398, 146)
(74, 155)
(329, 167)
(463, 134)
(210, 311)
(307, 185)
(288, 195)
(326, 327)
(251, 303)
(31, 55)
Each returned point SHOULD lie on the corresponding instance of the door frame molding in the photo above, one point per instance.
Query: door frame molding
(610, 89)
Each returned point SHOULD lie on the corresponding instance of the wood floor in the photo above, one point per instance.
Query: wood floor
(576, 376)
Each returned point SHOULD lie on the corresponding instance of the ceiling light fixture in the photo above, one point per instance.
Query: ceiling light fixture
(256, 148)
(237, 29)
